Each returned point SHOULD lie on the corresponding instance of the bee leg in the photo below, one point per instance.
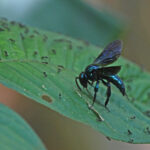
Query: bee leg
(87, 90)
(77, 78)
(90, 83)
(89, 93)
(127, 96)
(95, 90)
(108, 93)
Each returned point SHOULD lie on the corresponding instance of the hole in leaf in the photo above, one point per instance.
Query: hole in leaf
(47, 98)
(45, 38)
(6, 53)
(44, 57)
(108, 138)
(21, 25)
(59, 95)
(129, 132)
(147, 113)
(45, 74)
(21, 35)
(31, 36)
(35, 53)
(131, 141)
(12, 40)
(36, 32)
(132, 117)
(45, 63)
(60, 68)
(147, 130)
(54, 51)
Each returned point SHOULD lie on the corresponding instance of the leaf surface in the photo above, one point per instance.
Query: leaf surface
(43, 65)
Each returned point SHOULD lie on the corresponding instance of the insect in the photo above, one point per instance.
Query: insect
(97, 71)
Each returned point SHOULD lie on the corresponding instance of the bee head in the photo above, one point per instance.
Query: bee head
(83, 79)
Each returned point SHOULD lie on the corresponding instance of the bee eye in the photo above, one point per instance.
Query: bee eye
(85, 75)
(82, 76)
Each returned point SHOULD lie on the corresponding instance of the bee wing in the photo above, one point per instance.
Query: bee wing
(106, 71)
(110, 53)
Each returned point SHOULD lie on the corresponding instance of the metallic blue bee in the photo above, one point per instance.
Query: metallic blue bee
(96, 71)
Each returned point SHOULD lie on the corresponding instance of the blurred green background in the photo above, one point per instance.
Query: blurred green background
(95, 21)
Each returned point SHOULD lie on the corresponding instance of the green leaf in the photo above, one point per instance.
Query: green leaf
(15, 133)
(43, 66)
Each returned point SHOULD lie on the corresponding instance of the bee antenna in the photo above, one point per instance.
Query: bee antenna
(127, 96)
(77, 78)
